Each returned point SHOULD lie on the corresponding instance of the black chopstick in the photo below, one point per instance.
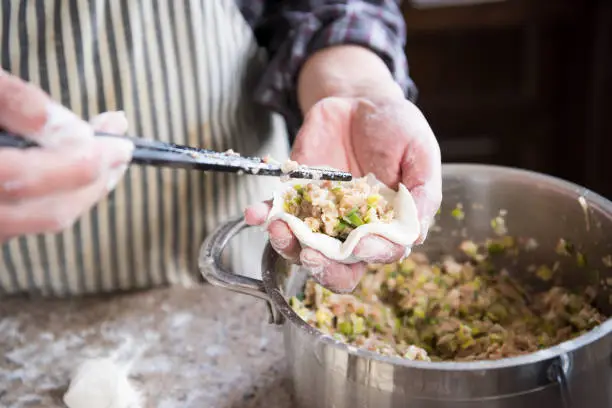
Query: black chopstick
(162, 154)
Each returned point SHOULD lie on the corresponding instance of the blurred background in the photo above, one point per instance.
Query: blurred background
(524, 83)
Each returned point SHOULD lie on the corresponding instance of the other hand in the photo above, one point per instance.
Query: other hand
(45, 190)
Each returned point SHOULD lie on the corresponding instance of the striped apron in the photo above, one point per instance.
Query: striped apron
(183, 71)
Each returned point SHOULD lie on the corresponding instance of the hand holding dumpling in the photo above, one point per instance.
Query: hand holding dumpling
(389, 138)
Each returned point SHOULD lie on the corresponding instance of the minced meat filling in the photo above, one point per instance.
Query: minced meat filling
(447, 311)
(337, 208)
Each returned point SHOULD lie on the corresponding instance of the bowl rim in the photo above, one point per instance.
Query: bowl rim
(540, 356)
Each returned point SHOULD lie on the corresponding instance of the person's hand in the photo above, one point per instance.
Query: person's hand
(388, 137)
(357, 119)
(45, 190)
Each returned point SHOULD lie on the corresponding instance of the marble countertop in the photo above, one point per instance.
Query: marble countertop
(198, 347)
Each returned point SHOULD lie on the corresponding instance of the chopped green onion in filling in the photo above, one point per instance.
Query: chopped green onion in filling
(337, 208)
(450, 310)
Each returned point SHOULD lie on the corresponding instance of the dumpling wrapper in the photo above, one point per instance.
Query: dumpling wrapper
(403, 230)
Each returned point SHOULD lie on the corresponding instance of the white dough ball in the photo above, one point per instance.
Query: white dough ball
(102, 383)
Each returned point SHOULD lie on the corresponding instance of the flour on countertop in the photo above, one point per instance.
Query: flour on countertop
(192, 348)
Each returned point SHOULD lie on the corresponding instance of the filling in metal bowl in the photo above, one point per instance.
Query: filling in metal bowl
(451, 309)
(335, 208)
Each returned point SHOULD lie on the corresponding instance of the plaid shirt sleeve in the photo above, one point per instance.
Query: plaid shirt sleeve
(292, 30)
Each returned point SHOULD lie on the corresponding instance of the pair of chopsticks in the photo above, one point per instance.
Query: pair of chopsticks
(162, 154)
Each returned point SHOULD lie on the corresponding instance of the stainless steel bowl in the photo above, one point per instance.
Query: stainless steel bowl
(577, 373)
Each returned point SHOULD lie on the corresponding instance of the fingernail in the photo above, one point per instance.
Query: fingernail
(280, 243)
(63, 128)
(375, 248)
(117, 152)
(424, 228)
(283, 247)
(110, 122)
(256, 214)
(280, 235)
(114, 176)
(314, 262)
(12, 185)
(339, 278)
(317, 271)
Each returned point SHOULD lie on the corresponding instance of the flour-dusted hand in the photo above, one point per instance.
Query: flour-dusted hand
(388, 137)
(333, 217)
(46, 189)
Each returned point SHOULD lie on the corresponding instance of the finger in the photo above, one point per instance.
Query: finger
(23, 106)
(427, 199)
(31, 173)
(26, 110)
(110, 122)
(337, 277)
(257, 214)
(422, 175)
(283, 241)
(324, 135)
(55, 213)
(376, 249)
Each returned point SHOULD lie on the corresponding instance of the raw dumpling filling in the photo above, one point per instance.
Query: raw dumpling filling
(448, 310)
(337, 208)
(332, 217)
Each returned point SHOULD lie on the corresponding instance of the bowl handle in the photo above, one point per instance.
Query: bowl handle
(558, 372)
(216, 274)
